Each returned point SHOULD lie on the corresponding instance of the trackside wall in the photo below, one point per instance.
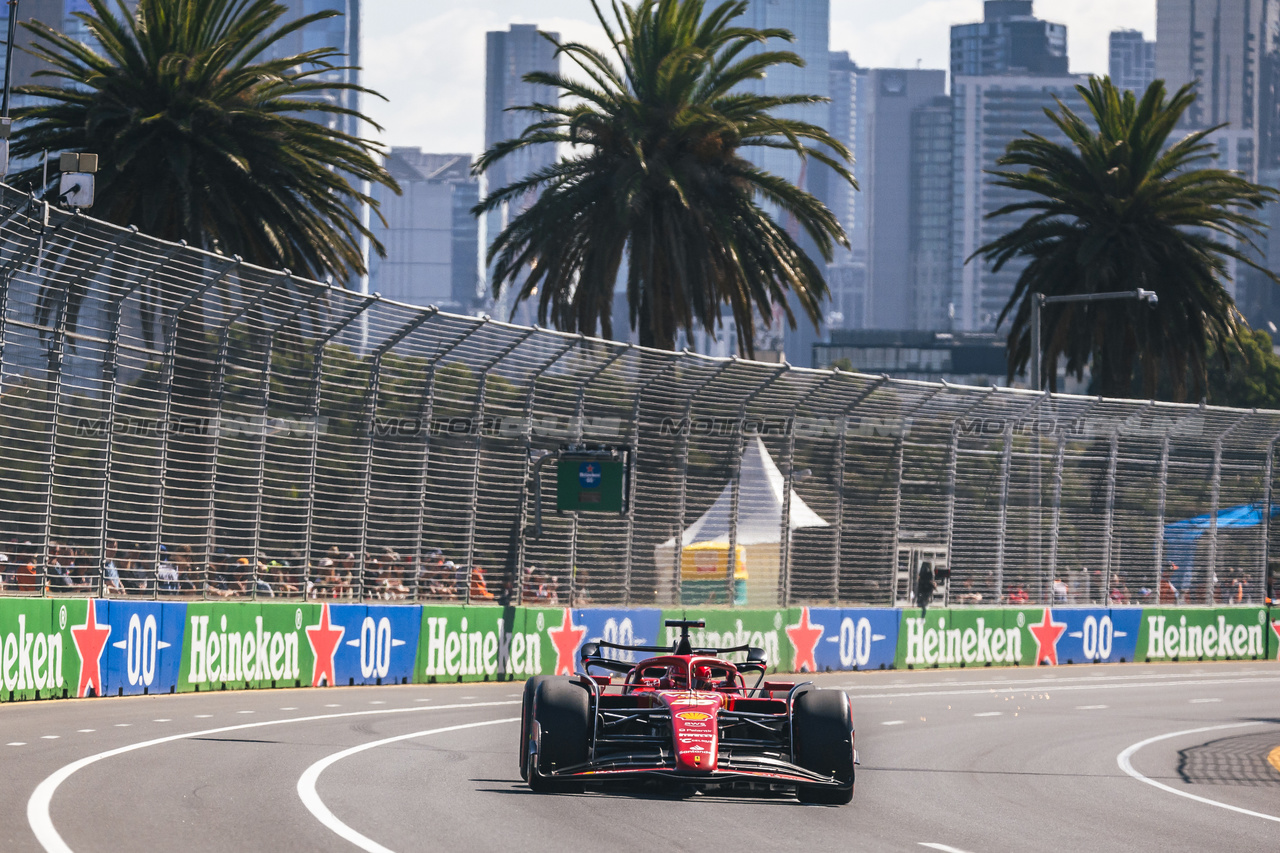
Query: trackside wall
(55, 648)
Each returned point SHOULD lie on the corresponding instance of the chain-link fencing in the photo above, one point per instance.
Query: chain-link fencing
(176, 423)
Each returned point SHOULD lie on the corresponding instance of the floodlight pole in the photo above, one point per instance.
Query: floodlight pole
(1039, 300)
(8, 55)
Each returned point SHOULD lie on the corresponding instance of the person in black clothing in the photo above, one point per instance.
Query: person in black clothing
(924, 587)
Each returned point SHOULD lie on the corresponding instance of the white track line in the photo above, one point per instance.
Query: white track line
(311, 799)
(1123, 759)
(1058, 688)
(42, 797)
(944, 848)
(1047, 678)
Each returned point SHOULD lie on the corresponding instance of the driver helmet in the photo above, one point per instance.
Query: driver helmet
(702, 678)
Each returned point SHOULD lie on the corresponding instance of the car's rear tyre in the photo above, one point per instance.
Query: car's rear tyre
(526, 722)
(823, 731)
(561, 709)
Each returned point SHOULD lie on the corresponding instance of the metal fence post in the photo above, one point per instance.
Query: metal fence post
(953, 462)
(784, 556)
(1108, 537)
(841, 456)
(900, 455)
(219, 397)
(526, 436)
(426, 415)
(731, 558)
(369, 424)
(578, 432)
(264, 406)
(166, 382)
(1215, 494)
(683, 467)
(1006, 460)
(628, 557)
(1162, 495)
(313, 411)
(481, 393)
(1265, 579)
(56, 361)
(110, 369)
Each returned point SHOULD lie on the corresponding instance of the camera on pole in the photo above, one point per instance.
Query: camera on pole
(75, 188)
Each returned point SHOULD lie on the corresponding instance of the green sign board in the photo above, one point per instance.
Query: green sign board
(586, 484)
(1230, 633)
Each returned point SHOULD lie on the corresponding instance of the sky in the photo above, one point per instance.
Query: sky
(427, 56)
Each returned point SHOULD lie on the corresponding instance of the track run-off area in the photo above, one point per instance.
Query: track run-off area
(1098, 758)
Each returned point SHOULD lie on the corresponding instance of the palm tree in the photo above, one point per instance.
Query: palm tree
(204, 139)
(656, 172)
(1117, 209)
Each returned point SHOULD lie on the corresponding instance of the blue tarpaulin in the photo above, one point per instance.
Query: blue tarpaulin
(1182, 537)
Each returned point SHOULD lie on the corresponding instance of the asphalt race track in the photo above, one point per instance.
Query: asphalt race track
(1123, 758)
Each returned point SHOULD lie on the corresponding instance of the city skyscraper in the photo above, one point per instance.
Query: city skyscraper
(989, 113)
(893, 95)
(509, 56)
(932, 183)
(1132, 61)
(1228, 48)
(847, 273)
(1010, 39)
(431, 237)
(342, 32)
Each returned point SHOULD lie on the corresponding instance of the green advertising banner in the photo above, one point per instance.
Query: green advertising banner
(764, 629)
(238, 645)
(1228, 633)
(959, 638)
(464, 643)
(38, 657)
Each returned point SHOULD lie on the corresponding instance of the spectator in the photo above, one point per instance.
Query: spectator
(479, 591)
(6, 572)
(1018, 595)
(1059, 591)
(166, 573)
(27, 580)
(111, 584)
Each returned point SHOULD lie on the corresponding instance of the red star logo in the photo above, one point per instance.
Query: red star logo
(324, 639)
(805, 636)
(1046, 635)
(566, 639)
(90, 640)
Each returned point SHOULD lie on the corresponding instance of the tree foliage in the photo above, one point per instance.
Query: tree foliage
(657, 174)
(201, 137)
(1120, 208)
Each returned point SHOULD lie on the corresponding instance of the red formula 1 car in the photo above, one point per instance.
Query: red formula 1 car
(688, 719)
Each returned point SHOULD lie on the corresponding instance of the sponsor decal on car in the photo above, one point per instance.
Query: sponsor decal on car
(694, 716)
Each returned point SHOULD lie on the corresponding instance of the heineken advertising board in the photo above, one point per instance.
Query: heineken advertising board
(64, 647)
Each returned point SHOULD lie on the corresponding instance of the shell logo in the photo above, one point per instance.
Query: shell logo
(693, 716)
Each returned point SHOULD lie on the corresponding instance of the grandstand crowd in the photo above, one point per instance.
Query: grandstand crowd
(133, 570)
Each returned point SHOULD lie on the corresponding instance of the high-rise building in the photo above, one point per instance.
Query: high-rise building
(1228, 49)
(1009, 40)
(810, 22)
(988, 114)
(1133, 61)
(509, 56)
(341, 32)
(56, 13)
(847, 273)
(932, 171)
(431, 237)
(893, 95)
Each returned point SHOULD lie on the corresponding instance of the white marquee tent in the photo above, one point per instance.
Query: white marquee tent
(761, 494)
